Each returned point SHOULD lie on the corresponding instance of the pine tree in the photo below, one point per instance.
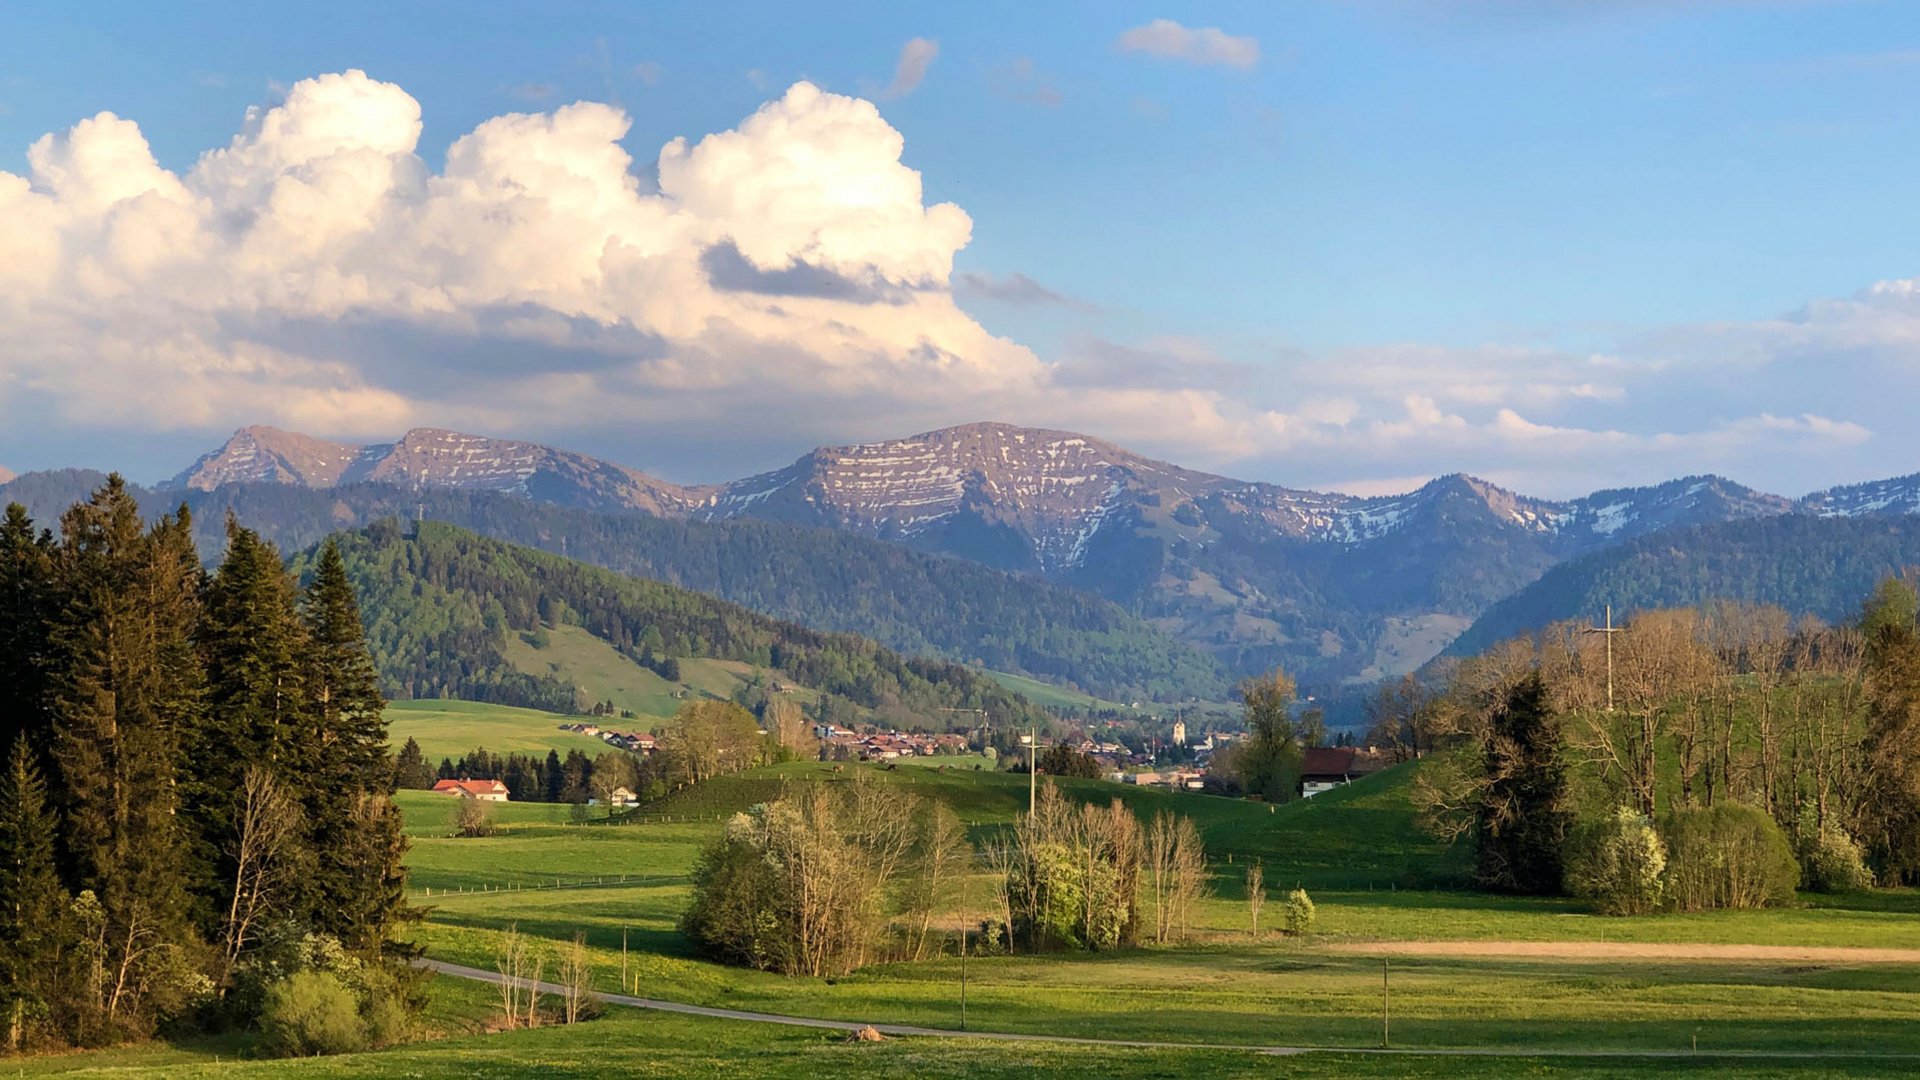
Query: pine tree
(123, 685)
(31, 900)
(410, 771)
(1521, 822)
(26, 573)
(358, 881)
(341, 678)
(555, 777)
(257, 708)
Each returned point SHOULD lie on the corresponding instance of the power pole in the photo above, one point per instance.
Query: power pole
(1386, 1005)
(1033, 771)
(1608, 630)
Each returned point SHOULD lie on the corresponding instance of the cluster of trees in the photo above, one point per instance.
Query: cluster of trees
(1075, 876)
(831, 876)
(575, 778)
(441, 602)
(1731, 754)
(196, 773)
(826, 878)
(1267, 761)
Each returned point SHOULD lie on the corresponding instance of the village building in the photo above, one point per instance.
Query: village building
(483, 790)
(1323, 768)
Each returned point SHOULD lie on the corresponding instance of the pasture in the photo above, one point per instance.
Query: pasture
(1385, 894)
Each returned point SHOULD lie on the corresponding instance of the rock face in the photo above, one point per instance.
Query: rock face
(1334, 587)
(428, 457)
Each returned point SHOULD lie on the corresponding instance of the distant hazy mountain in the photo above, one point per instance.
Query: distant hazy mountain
(1807, 564)
(1336, 587)
(426, 457)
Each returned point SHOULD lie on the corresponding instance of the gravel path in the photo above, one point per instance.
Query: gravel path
(1630, 950)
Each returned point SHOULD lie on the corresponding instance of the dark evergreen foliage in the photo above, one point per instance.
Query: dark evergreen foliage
(1520, 829)
(157, 692)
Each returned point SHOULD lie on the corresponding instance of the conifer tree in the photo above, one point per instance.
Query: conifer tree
(26, 572)
(356, 885)
(341, 679)
(257, 709)
(31, 900)
(123, 686)
(1522, 819)
(410, 770)
(555, 777)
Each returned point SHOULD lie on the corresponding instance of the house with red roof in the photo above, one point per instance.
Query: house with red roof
(484, 790)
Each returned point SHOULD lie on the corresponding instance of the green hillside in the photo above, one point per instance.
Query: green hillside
(451, 728)
(446, 609)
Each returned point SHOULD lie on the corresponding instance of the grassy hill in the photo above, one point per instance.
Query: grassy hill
(446, 610)
(446, 728)
(601, 672)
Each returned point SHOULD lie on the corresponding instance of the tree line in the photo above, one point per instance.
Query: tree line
(197, 792)
(1731, 755)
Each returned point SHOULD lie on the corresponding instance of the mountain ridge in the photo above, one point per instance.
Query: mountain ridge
(1337, 588)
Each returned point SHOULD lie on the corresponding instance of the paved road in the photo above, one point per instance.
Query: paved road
(494, 977)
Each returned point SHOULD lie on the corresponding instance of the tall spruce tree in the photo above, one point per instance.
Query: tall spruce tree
(1522, 819)
(354, 829)
(253, 644)
(26, 582)
(123, 685)
(410, 769)
(31, 899)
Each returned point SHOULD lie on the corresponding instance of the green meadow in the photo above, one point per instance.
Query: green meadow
(1373, 876)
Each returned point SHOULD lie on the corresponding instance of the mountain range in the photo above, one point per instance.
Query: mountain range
(1337, 589)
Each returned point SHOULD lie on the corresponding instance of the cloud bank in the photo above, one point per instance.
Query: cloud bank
(780, 283)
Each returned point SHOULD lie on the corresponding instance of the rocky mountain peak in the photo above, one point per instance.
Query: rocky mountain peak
(267, 455)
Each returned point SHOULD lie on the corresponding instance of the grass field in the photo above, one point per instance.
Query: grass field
(1355, 849)
(451, 728)
(602, 673)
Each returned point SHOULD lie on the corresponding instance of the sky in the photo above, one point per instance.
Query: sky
(1353, 244)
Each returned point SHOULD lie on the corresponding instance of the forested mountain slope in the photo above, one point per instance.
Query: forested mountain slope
(439, 604)
(1805, 564)
(911, 601)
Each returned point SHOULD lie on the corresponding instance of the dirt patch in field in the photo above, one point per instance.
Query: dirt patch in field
(1631, 950)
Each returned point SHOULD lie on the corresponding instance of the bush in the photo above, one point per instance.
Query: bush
(472, 818)
(1728, 856)
(1618, 863)
(309, 1013)
(1831, 862)
(1299, 912)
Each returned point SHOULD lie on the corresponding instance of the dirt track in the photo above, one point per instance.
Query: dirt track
(1631, 950)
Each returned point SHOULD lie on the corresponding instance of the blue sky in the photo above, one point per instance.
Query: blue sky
(1562, 244)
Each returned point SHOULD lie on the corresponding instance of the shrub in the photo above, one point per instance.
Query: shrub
(309, 1013)
(1618, 863)
(472, 818)
(1299, 912)
(1831, 862)
(1727, 856)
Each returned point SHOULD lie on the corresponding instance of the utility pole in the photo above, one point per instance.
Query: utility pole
(1608, 630)
(1386, 1004)
(963, 976)
(1033, 771)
